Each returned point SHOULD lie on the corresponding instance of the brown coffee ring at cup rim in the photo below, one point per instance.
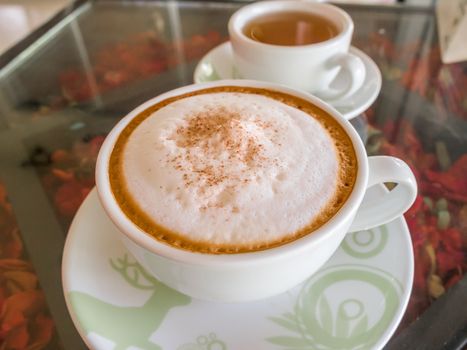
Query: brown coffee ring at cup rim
(348, 168)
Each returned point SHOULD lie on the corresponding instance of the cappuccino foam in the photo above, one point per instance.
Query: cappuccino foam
(230, 170)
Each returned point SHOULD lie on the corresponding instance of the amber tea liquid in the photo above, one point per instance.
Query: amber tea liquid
(290, 29)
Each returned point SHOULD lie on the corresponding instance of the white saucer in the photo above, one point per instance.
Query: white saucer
(217, 64)
(354, 302)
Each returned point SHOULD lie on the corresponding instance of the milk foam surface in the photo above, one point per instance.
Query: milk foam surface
(230, 168)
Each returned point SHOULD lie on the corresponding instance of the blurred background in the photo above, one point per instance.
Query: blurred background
(20, 17)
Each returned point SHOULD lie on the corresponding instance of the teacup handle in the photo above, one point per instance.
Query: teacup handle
(355, 68)
(394, 203)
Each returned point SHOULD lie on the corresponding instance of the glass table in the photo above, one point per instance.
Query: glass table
(65, 86)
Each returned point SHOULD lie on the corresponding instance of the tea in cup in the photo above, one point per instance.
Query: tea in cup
(301, 44)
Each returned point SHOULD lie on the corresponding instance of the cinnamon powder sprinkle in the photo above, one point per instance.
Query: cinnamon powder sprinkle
(190, 136)
(217, 135)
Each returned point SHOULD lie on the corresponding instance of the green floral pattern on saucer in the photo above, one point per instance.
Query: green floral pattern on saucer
(322, 320)
(116, 322)
(354, 302)
(366, 244)
(203, 342)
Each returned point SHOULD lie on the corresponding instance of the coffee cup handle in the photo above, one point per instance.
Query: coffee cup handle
(354, 67)
(394, 203)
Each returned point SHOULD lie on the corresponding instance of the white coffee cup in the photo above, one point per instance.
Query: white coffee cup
(260, 274)
(312, 67)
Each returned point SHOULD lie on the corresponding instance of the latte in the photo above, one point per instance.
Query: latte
(232, 169)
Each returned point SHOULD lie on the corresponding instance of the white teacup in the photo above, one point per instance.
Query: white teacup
(238, 277)
(311, 67)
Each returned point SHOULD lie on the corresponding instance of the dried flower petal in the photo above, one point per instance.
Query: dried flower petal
(432, 255)
(435, 286)
(444, 219)
(41, 332)
(444, 160)
(17, 339)
(23, 279)
(441, 204)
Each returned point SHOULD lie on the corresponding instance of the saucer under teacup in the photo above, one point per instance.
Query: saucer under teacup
(355, 301)
(218, 64)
